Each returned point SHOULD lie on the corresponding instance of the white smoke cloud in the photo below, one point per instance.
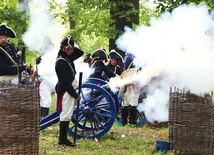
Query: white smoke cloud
(40, 24)
(179, 48)
(23, 5)
(41, 36)
(44, 35)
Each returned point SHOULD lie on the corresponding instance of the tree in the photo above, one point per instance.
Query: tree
(169, 5)
(13, 17)
(18, 20)
(89, 23)
(123, 13)
(97, 24)
(94, 24)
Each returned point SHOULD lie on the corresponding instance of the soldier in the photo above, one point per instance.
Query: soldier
(128, 61)
(130, 93)
(113, 62)
(9, 56)
(66, 86)
(95, 61)
(46, 90)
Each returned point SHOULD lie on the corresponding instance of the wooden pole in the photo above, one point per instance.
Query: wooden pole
(77, 111)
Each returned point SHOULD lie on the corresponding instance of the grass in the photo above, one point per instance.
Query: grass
(120, 140)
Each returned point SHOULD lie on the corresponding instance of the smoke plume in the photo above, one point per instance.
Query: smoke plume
(43, 36)
(177, 50)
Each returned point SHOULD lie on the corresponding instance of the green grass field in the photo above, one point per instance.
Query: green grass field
(120, 140)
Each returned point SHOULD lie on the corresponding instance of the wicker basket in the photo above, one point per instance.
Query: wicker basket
(191, 123)
(19, 120)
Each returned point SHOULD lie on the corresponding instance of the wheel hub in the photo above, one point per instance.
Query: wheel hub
(87, 112)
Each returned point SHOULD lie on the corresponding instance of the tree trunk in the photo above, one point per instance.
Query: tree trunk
(71, 22)
(121, 22)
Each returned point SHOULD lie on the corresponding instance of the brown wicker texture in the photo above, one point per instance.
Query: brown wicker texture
(191, 123)
(19, 120)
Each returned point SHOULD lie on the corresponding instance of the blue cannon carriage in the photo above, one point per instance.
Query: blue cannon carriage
(98, 109)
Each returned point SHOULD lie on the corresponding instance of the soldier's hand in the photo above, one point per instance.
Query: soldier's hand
(79, 97)
(38, 60)
(21, 68)
(19, 53)
(24, 67)
(28, 69)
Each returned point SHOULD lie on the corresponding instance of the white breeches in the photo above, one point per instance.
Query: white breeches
(45, 91)
(9, 78)
(68, 103)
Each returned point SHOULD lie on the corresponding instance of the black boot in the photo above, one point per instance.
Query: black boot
(124, 115)
(41, 111)
(133, 115)
(44, 111)
(63, 140)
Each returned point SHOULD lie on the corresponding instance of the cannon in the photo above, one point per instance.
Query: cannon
(98, 109)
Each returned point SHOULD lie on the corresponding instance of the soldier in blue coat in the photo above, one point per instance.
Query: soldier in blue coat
(128, 61)
(66, 85)
(9, 56)
(95, 61)
(113, 62)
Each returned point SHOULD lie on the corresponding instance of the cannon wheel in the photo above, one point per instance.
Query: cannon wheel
(96, 114)
(141, 119)
(101, 82)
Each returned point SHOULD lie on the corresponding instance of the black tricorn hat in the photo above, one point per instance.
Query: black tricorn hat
(87, 58)
(101, 54)
(67, 41)
(7, 31)
(114, 55)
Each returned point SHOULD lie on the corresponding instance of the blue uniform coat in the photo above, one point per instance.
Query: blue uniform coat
(65, 71)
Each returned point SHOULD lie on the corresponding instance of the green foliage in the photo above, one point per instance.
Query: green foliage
(146, 13)
(15, 19)
(123, 9)
(90, 18)
(18, 21)
(169, 5)
(11, 3)
(91, 23)
(31, 57)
